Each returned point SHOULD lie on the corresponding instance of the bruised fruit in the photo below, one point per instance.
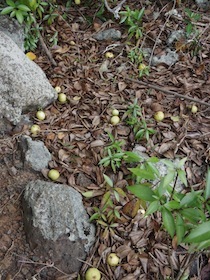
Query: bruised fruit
(113, 259)
(92, 274)
(35, 129)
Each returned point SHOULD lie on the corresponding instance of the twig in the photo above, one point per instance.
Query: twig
(44, 46)
(115, 11)
(167, 91)
(48, 53)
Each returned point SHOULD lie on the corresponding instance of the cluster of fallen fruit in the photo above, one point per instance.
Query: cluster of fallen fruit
(94, 274)
(53, 174)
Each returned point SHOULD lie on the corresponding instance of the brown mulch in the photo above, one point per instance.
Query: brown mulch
(76, 135)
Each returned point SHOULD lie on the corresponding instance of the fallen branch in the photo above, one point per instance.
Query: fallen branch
(48, 53)
(115, 11)
(167, 91)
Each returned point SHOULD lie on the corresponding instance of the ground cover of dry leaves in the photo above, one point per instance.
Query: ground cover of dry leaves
(76, 134)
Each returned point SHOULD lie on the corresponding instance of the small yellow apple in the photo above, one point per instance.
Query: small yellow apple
(142, 66)
(194, 109)
(58, 89)
(72, 43)
(40, 115)
(115, 112)
(115, 120)
(92, 274)
(109, 55)
(113, 259)
(77, 2)
(62, 98)
(35, 129)
(159, 116)
(53, 174)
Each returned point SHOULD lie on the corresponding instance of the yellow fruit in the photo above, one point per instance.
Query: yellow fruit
(109, 55)
(142, 66)
(92, 274)
(113, 259)
(35, 129)
(77, 2)
(53, 174)
(159, 116)
(115, 120)
(194, 109)
(40, 115)
(58, 89)
(72, 43)
(115, 112)
(31, 55)
(62, 98)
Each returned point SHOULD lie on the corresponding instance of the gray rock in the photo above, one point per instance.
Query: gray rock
(175, 36)
(13, 29)
(56, 224)
(170, 58)
(203, 4)
(23, 85)
(108, 34)
(35, 154)
(162, 168)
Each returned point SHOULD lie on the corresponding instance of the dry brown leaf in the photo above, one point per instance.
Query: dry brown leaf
(97, 143)
(131, 208)
(122, 86)
(63, 155)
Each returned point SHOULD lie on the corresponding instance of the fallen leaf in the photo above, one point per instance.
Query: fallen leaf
(131, 208)
(31, 55)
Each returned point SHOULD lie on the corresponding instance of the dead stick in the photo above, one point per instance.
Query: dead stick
(48, 53)
(167, 91)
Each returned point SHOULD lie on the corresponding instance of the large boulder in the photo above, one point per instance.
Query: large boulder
(13, 29)
(23, 85)
(57, 225)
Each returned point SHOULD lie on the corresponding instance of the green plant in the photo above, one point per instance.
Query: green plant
(136, 120)
(114, 153)
(29, 12)
(136, 56)
(184, 214)
(133, 18)
(192, 32)
(107, 214)
(191, 27)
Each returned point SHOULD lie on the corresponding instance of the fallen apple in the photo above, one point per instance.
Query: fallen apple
(58, 89)
(92, 274)
(115, 112)
(194, 109)
(40, 115)
(77, 2)
(35, 129)
(142, 66)
(115, 120)
(53, 174)
(113, 259)
(62, 98)
(109, 55)
(159, 116)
